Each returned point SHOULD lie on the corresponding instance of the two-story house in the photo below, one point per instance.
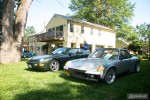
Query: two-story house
(64, 31)
(34, 46)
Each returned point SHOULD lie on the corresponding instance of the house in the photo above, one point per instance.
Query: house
(64, 31)
(34, 46)
(121, 44)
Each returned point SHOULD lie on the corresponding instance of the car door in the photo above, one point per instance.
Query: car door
(68, 55)
(125, 61)
(73, 54)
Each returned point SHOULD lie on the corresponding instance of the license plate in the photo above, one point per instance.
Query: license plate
(29, 66)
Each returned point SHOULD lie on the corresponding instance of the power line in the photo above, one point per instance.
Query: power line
(60, 3)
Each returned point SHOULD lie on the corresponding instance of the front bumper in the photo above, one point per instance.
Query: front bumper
(37, 65)
(81, 74)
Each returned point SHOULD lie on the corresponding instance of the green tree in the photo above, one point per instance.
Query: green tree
(110, 13)
(134, 46)
(128, 33)
(143, 31)
(115, 14)
(13, 26)
(30, 30)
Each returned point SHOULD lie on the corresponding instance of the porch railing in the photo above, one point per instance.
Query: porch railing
(52, 35)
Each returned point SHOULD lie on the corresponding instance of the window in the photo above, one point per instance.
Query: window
(124, 54)
(61, 28)
(33, 40)
(49, 30)
(99, 32)
(82, 29)
(38, 49)
(73, 51)
(91, 31)
(71, 28)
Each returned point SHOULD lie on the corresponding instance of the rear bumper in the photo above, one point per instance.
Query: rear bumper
(82, 74)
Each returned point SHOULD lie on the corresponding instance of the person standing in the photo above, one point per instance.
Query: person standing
(86, 46)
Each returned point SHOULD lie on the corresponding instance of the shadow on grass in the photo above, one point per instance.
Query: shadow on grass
(73, 79)
(66, 91)
(34, 70)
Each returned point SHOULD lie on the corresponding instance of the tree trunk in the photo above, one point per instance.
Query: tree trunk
(12, 33)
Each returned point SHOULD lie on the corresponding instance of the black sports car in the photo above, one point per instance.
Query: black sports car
(56, 59)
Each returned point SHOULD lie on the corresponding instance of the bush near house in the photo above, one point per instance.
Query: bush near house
(142, 56)
(17, 82)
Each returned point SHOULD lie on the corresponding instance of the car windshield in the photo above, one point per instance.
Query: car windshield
(61, 51)
(110, 54)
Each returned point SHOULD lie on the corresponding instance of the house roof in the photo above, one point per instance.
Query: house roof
(82, 21)
(121, 40)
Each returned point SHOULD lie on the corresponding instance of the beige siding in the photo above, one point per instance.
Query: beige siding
(121, 44)
(56, 21)
(37, 46)
(104, 39)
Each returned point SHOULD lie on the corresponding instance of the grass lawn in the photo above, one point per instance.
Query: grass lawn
(17, 82)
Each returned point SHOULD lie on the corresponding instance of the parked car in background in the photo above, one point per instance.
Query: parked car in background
(56, 59)
(103, 63)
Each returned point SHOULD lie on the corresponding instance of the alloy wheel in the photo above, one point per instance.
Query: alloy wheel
(54, 65)
(110, 76)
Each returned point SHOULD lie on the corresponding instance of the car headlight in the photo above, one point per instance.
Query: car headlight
(41, 59)
(100, 68)
(67, 64)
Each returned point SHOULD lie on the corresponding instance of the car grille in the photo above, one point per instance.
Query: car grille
(33, 61)
(77, 73)
(82, 75)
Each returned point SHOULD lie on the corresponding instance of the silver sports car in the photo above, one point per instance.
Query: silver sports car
(103, 63)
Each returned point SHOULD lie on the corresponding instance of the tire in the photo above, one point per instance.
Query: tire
(110, 76)
(137, 67)
(54, 65)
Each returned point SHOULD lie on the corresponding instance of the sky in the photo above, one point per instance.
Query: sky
(41, 11)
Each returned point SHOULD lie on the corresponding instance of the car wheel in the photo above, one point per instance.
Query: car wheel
(54, 65)
(137, 67)
(110, 76)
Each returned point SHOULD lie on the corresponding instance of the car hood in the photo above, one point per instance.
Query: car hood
(47, 56)
(88, 63)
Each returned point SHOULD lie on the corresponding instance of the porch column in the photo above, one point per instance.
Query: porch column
(77, 45)
(50, 49)
(66, 44)
(93, 47)
(56, 46)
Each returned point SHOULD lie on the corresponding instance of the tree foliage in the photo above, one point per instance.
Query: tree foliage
(134, 46)
(143, 31)
(110, 13)
(127, 33)
(115, 14)
(30, 30)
